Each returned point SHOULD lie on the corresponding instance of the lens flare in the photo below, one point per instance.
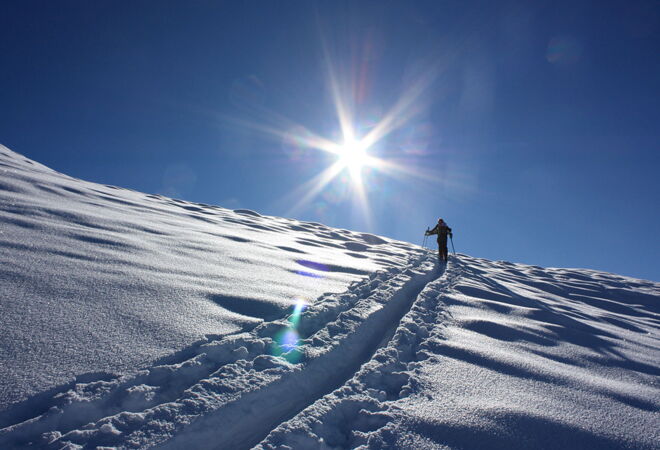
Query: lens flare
(286, 343)
(320, 269)
(294, 319)
(563, 50)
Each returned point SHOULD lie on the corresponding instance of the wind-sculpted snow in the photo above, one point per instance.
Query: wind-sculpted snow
(100, 279)
(135, 321)
(498, 355)
(220, 380)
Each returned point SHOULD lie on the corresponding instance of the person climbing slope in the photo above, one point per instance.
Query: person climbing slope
(442, 230)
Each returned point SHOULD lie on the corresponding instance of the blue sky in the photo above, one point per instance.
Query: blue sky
(531, 127)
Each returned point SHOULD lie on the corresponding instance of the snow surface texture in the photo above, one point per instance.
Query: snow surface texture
(99, 280)
(133, 321)
(501, 355)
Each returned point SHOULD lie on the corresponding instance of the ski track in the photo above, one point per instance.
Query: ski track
(389, 403)
(202, 393)
(343, 419)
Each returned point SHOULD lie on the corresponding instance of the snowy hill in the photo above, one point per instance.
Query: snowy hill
(132, 320)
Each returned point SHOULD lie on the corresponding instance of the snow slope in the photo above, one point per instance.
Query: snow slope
(133, 320)
(499, 355)
(103, 279)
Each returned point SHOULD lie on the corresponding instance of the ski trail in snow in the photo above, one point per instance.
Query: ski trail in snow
(341, 348)
(202, 397)
(426, 388)
(359, 406)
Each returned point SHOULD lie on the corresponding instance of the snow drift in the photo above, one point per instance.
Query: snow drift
(133, 320)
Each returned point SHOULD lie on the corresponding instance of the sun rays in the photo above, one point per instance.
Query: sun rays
(360, 150)
(355, 154)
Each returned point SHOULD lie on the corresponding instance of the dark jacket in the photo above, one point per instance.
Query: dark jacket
(442, 230)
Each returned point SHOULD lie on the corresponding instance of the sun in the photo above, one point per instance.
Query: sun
(359, 149)
(353, 156)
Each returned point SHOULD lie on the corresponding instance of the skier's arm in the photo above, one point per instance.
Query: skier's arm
(434, 230)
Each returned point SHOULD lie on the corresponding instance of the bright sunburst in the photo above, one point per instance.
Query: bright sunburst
(354, 151)
(353, 156)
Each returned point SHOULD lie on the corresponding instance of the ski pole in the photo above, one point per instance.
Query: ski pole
(451, 238)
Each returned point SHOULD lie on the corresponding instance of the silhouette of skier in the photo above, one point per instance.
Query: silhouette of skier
(442, 230)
